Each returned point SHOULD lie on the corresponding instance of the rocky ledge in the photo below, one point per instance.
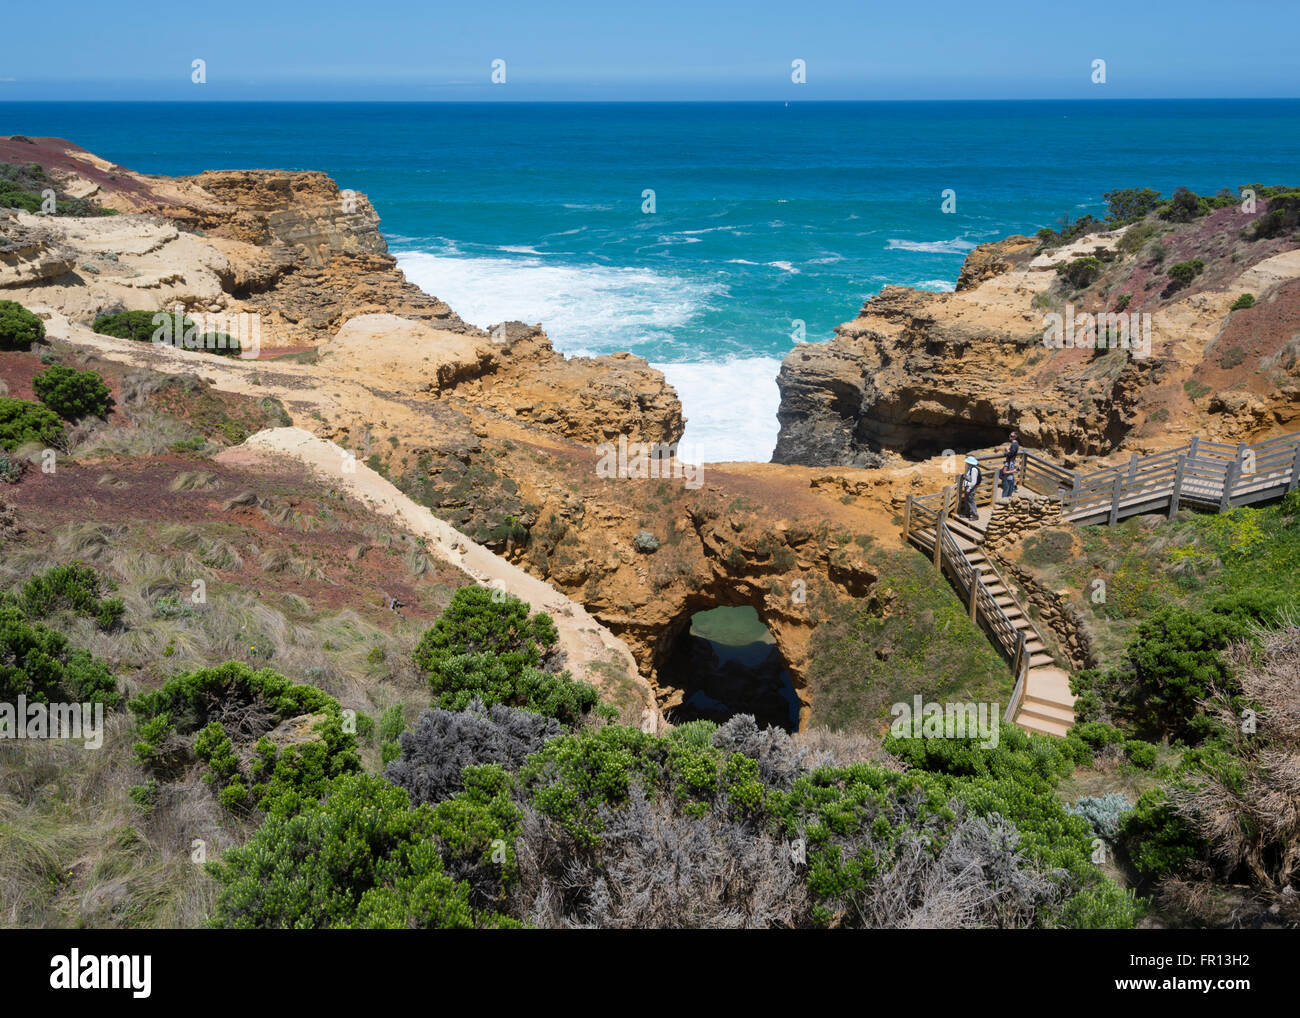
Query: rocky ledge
(918, 372)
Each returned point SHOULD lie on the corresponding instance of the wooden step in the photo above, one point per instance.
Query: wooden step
(1048, 711)
(1041, 660)
(1042, 726)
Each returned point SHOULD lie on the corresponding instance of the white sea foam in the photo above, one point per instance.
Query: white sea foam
(730, 405)
(784, 267)
(730, 408)
(584, 309)
(954, 246)
(938, 285)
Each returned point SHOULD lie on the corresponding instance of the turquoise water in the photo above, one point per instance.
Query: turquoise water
(765, 214)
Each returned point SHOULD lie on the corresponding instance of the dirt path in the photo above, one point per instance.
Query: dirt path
(592, 651)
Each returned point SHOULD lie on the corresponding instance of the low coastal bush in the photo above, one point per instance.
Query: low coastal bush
(1155, 838)
(1246, 300)
(163, 327)
(486, 647)
(74, 588)
(1104, 814)
(362, 858)
(41, 664)
(22, 421)
(72, 394)
(1282, 216)
(1184, 272)
(1080, 272)
(1169, 667)
(22, 186)
(1129, 204)
(19, 328)
(443, 743)
(204, 712)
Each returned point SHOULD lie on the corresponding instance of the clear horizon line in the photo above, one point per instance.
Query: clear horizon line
(666, 102)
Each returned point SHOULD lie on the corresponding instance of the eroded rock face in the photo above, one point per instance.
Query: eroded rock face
(30, 253)
(917, 372)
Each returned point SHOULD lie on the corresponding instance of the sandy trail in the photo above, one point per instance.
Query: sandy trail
(592, 651)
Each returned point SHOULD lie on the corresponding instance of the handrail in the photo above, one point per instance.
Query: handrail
(1201, 471)
(1211, 472)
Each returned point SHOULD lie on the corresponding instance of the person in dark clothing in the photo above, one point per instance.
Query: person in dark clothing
(1007, 477)
(1013, 450)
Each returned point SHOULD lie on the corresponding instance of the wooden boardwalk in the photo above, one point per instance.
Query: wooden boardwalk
(1201, 474)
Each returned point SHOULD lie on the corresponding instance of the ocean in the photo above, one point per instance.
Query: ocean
(704, 237)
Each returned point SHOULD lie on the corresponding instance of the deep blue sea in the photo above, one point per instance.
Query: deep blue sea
(764, 213)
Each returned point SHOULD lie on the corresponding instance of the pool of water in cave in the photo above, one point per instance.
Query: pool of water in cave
(727, 663)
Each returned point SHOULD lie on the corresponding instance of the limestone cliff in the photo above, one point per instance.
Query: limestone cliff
(918, 372)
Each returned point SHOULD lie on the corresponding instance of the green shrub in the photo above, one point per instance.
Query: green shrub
(22, 421)
(72, 394)
(138, 325)
(1126, 205)
(1097, 734)
(278, 779)
(19, 328)
(1184, 272)
(74, 588)
(1167, 670)
(1246, 300)
(164, 327)
(1080, 272)
(479, 620)
(40, 663)
(489, 648)
(1141, 754)
(1156, 840)
(361, 859)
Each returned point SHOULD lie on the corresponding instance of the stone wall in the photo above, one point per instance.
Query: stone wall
(1058, 613)
(1019, 516)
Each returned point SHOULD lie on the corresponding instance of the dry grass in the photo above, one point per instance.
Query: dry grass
(76, 851)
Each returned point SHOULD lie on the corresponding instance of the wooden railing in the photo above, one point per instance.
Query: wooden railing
(948, 557)
(1209, 473)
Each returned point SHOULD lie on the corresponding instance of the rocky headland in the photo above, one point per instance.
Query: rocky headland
(501, 436)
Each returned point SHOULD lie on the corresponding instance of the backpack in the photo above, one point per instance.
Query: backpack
(979, 476)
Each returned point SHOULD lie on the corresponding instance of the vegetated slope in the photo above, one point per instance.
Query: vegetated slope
(1191, 703)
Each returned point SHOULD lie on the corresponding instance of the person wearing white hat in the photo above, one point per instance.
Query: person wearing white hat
(970, 480)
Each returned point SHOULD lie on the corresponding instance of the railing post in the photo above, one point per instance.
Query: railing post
(1133, 467)
(1178, 485)
(974, 592)
(1074, 487)
(939, 526)
(1116, 488)
(1229, 479)
(1192, 446)
(907, 517)
(1295, 468)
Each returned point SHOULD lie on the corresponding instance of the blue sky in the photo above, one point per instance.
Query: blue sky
(666, 50)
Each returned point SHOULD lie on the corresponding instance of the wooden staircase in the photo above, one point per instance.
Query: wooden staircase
(1208, 475)
(1042, 701)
